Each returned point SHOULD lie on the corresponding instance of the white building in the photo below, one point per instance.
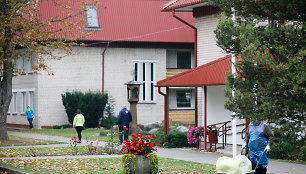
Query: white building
(130, 40)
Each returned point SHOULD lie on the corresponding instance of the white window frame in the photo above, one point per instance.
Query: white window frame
(145, 89)
(92, 17)
(15, 102)
(32, 99)
(23, 101)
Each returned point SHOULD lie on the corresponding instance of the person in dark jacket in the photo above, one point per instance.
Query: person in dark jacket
(123, 122)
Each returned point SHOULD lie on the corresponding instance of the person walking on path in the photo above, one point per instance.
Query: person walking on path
(29, 114)
(258, 138)
(78, 124)
(123, 122)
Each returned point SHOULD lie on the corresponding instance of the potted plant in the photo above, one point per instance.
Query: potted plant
(139, 156)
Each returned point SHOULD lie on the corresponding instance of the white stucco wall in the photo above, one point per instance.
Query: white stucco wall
(83, 71)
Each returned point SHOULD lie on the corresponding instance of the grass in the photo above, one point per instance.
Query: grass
(20, 141)
(290, 161)
(46, 151)
(109, 165)
(90, 134)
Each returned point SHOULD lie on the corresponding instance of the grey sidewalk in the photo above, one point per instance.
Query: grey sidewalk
(187, 154)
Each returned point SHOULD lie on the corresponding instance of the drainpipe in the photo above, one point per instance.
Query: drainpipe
(103, 66)
(166, 114)
(195, 62)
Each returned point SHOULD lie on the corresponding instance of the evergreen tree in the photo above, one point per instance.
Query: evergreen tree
(269, 39)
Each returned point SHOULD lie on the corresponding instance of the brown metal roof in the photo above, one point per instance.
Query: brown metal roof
(213, 73)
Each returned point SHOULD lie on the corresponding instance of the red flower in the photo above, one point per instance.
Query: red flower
(115, 135)
(30, 149)
(155, 150)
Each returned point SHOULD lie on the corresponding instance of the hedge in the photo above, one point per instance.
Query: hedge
(92, 105)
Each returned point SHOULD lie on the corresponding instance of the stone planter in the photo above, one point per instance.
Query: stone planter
(142, 165)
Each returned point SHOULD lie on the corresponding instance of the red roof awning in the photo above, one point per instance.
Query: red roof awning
(213, 73)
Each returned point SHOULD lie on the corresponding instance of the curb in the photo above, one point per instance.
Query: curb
(11, 170)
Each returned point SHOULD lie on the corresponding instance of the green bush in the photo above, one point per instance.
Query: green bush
(64, 126)
(92, 105)
(288, 145)
(110, 120)
(176, 139)
(57, 127)
(280, 151)
(159, 140)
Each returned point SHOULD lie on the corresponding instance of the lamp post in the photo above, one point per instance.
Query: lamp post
(133, 88)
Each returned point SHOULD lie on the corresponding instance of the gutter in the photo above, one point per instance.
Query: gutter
(103, 53)
(195, 62)
(166, 114)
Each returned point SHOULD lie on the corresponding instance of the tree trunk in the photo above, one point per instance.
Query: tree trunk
(6, 75)
(5, 97)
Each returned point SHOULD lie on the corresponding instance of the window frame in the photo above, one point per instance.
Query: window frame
(177, 98)
(188, 66)
(92, 14)
(147, 93)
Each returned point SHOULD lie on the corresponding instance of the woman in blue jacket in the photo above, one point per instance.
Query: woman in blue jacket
(29, 114)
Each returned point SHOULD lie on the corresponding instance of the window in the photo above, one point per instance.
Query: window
(92, 17)
(32, 99)
(15, 102)
(24, 102)
(183, 99)
(23, 64)
(184, 59)
(145, 74)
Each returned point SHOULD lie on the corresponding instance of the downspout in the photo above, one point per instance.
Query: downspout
(205, 117)
(166, 117)
(103, 67)
(195, 62)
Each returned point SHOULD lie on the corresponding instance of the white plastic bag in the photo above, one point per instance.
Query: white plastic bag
(227, 165)
(245, 165)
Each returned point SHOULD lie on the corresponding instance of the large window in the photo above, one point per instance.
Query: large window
(184, 59)
(183, 99)
(92, 17)
(145, 73)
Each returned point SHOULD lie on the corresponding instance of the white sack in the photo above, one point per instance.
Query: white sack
(245, 165)
(227, 165)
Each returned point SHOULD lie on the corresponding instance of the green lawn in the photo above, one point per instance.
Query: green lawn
(90, 134)
(31, 151)
(102, 165)
(20, 141)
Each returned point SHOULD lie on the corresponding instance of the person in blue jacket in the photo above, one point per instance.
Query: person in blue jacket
(29, 114)
(123, 122)
(258, 138)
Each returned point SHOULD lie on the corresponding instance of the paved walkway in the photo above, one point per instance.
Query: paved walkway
(187, 154)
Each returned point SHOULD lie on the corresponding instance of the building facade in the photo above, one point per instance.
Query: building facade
(124, 46)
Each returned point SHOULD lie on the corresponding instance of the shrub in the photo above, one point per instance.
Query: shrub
(288, 144)
(92, 105)
(64, 126)
(176, 139)
(159, 138)
(110, 119)
(57, 127)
